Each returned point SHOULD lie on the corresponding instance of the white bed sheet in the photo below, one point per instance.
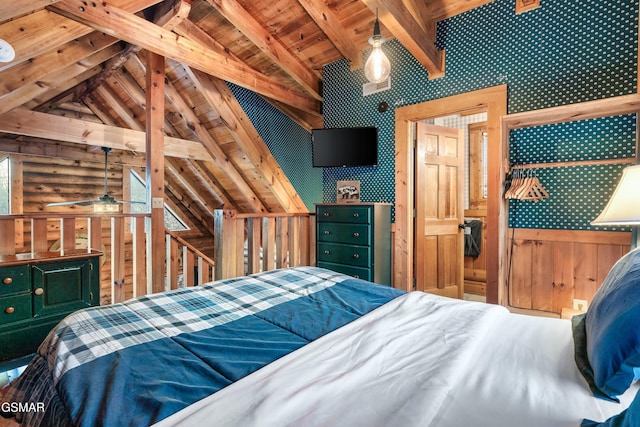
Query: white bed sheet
(420, 360)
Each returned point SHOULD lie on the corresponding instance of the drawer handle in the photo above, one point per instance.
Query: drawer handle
(356, 215)
(326, 214)
(327, 252)
(356, 234)
(9, 310)
(7, 280)
(357, 276)
(327, 232)
(38, 291)
(356, 256)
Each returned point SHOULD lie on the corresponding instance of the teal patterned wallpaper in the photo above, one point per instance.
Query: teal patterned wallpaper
(561, 53)
(289, 143)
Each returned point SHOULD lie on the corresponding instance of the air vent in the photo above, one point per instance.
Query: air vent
(369, 88)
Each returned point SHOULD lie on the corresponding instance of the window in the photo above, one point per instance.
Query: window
(139, 194)
(4, 186)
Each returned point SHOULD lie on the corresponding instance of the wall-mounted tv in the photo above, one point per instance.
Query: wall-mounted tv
(344, 147)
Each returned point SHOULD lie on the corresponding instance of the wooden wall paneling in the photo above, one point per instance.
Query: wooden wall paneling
(563, 281)
(560, 266)
(542, 275)
(38, 229)
(520, 278)
(585, 270)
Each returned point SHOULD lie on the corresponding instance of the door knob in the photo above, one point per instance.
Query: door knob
(7, 280)
(38, 291)
(9, 310)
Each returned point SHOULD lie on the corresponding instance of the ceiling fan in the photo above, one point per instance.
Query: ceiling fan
(104, 203)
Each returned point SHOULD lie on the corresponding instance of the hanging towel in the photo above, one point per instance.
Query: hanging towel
(472, 238)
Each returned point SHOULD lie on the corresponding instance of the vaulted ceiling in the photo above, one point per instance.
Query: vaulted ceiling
(78, 77)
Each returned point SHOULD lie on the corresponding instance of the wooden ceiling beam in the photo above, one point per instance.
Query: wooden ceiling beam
(58, 79)
(21, 121)
(48, 149)
(303, 119)
(40, 67)
(395, 16)
(449, 8)
(182, 177)
(268, 44)
(122, 24)
(220, 97)
(329, 23)
(48, 30)
(219, 158)
(11, 9)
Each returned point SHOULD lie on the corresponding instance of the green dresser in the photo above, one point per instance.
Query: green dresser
(38, 291)
(355, 239)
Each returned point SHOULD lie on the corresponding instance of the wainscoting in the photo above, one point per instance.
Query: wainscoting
(551, 268)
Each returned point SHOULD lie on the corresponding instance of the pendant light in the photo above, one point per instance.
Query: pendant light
(377, 67)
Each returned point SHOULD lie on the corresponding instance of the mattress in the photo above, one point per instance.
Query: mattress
(419, 360)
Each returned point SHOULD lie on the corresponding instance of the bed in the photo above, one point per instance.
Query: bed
(306, 346)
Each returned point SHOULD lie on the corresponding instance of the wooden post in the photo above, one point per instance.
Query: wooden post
(155, 166)
(139, 256)
(17, 200)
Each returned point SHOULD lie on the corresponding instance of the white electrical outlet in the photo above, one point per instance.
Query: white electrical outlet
(580, 304)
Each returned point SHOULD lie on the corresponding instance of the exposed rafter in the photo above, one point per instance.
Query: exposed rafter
(268, 44)
(24, 122)
(330, 25)
(135, 30)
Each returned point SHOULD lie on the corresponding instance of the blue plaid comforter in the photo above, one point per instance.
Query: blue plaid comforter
(138, 362)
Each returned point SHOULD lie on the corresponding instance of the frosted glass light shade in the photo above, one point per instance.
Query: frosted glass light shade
(106, 208)
(624, 206)
(377, 67)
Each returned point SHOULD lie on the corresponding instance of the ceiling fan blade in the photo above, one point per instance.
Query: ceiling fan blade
(78, 203)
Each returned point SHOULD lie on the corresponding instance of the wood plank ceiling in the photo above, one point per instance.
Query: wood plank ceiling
(79, 78)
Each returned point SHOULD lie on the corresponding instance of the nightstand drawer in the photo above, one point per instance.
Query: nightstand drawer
(15, 308)
(355, 214)
(359, 256)
(357, 234)
(14, 279)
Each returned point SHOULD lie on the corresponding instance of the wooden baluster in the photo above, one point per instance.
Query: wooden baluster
(139, 258)
(39, 241)
(188, 263)
(253, 244)
(117, 260)
(268, 243)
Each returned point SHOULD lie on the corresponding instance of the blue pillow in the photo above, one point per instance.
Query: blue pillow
(630, 417)
(612, 328)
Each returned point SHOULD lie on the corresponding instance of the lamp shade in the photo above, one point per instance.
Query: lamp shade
(624, 206)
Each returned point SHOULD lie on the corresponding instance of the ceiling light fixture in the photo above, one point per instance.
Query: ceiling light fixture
(7, 54)
(377, 67)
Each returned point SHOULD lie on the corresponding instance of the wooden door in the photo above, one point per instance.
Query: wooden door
(439, 187)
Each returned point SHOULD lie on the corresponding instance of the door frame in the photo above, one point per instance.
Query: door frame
(493, 100)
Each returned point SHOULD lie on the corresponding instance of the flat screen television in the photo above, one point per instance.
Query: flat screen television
(344, 147)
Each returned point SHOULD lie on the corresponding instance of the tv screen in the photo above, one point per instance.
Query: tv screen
(344, 147)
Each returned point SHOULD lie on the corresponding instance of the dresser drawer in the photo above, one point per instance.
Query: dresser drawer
(15, 308)
(14, 279)
(357, 234)
(357, 272)
(355, 214)
(359, 256)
